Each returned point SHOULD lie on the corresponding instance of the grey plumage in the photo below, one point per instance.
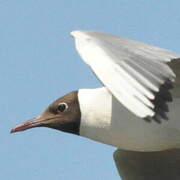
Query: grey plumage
(161, 165)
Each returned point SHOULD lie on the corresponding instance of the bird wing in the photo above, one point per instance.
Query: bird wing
(148, 165)
(137, 74)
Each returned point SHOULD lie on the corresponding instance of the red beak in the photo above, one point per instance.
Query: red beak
(35, 122)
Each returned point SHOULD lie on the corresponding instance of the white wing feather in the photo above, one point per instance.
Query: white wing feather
(131, 70)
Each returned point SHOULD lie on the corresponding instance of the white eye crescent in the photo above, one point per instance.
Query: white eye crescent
(62, 107)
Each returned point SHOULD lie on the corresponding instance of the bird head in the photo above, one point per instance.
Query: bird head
(63, 114)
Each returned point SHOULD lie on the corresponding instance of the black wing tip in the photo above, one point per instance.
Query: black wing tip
(148, 119)
(161, 100)
(156, 118)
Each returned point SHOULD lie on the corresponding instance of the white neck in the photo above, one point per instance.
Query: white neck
(95, 106)
(104, 119)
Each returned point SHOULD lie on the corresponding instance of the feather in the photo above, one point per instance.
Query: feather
(136, 73)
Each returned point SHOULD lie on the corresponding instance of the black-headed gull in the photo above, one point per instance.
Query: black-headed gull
(138, 108)
(138, 84)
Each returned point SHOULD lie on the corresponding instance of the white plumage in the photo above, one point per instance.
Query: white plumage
(133, 71)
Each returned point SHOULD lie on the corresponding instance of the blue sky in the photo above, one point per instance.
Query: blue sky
(38, 63)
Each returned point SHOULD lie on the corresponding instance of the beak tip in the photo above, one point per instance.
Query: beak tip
(12, 131)
(18, 128)
(26, 125)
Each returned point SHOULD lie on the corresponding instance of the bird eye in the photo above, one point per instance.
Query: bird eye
(62, 107)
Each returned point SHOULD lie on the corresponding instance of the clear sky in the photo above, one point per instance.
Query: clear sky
(38, 63)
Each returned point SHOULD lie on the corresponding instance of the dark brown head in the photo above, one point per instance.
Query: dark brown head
(63, 114)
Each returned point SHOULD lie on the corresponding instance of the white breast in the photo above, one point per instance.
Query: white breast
(105, 120)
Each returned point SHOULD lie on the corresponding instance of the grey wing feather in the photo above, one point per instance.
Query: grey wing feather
(133, 165)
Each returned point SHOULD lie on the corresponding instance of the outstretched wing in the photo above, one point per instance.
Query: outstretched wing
(137, 74)
(148, 165)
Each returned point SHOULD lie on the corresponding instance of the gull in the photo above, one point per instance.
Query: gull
(136, 109)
